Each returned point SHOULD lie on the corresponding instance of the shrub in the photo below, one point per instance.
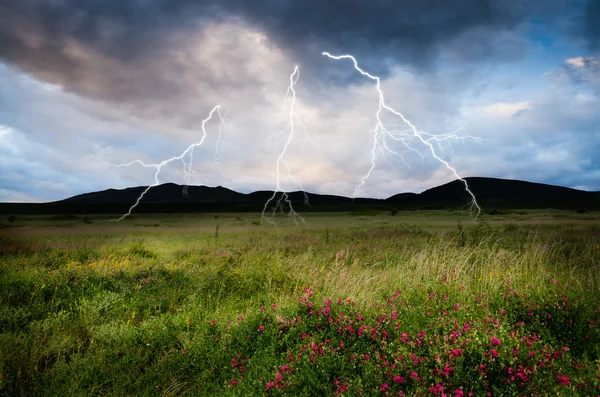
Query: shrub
(480, 232)
(138, 249)
(11, 218)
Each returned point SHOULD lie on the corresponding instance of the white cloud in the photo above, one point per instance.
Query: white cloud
(5, 140)
(507, 110)
(11, 196)
(578, 62)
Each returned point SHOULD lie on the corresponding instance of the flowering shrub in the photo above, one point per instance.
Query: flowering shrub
(432, 343)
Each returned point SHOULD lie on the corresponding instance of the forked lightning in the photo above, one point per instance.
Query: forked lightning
(294, 125)
(381, 133)
(187, 164)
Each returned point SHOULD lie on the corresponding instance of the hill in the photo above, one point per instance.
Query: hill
(505, 193)
(165, 193)
(170, 197)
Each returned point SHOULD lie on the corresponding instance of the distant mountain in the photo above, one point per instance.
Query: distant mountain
(505, 193)
(170, 197)
(165, 193)
(504, 189)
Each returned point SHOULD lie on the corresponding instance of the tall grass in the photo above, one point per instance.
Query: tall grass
(166, 314)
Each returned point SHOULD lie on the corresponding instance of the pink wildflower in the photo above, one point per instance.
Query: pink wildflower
(270, 385)
(398, 379)
(447, 370)
(456, 352)
(563, 380)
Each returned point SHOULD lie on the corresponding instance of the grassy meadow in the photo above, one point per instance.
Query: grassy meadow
(420, 303)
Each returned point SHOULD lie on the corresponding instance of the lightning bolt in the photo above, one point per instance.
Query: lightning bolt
(187, 163)
(223, 126)
(293, 126)
(381, 133)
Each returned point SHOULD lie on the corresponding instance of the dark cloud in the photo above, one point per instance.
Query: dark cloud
(406, 31)
(591, 21)
(47, 37)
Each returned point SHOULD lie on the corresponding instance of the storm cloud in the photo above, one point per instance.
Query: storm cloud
(58, 40)
(86, 83)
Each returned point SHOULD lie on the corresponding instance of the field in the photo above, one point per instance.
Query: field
(420, 303)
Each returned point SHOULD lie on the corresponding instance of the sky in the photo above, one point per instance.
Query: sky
(86, 85)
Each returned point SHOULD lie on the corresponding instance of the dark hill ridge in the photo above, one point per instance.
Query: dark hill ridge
(169, 197)
(165, 193)
(504, 189)
(505, 193)
(174, 194)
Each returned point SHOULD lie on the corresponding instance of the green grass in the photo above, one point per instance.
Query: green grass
(351, 304)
